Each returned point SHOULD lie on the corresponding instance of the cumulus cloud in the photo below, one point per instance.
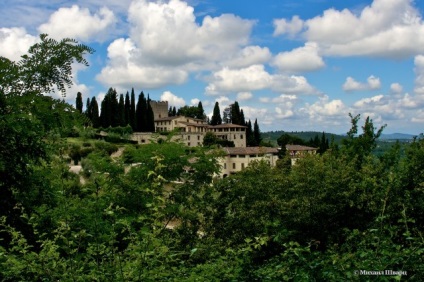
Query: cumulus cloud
(325, 108)
(14, 42)
(373, 83)
(290, 27)
(256, 78)
(386, 28)
(367, 101)
(396, 88)
(301, 59)
(250, 55)
(283, 114)
(166, 44)
(419, 74)
(244, 96)
(173, 100)
(79, 23)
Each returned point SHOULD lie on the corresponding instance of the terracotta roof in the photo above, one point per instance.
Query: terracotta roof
(166, 118)
(194, 124)
(228, 125)
(300, 148)
(249, 150)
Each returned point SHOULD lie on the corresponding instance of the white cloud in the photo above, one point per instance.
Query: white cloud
(419, 72)
(301, 59)
(325, 108)
(250, 55)
(396, 88)
(386, 28)
(166, 44)
(256, 78)
(373, 83)
(283, 114)
(122, 70)
(167, 32)
(173, 100)
(419, 117)
(244, 96)
(292, 27)
(195, 102)
(79, 23)
(367, 101)
(14, 42)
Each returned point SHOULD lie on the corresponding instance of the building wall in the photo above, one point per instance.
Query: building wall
(231, 164)
(160, 109)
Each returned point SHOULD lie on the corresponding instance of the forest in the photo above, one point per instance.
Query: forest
(157, 212)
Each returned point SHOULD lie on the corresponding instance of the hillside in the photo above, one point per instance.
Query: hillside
(272, 136)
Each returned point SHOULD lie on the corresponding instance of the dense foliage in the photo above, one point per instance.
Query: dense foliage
(156, 212)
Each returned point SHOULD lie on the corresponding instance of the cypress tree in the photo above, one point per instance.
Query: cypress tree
(174, 111)
(87, 107)
(242, 120)
(150, 116)
(235, 114)
(141, 114)
(216, 116)
(201, 111)
(94, 112)
(257, 133)
(250, 141)
(121, 112)
(127, 109)
(114, 109)
(132, 111)
(78, 102)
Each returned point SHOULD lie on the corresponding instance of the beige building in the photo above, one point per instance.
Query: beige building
(160, 109)
(237, 159)
(298, 151)
(191, 131)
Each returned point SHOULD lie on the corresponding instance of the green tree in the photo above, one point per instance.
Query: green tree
(257, 133)
(121, 111)
(29, 121)
(127, 109)
(78, 102)
(94, 112)
(132, 111)
(216, 116)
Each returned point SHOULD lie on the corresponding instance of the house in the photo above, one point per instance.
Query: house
(298, 151)
(238, 158)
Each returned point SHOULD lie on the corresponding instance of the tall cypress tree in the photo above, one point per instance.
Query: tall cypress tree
(127, 109)
(141, 114)
(121, 112)
(174, 111)
(78, 102)
(150, 116)
(257, 133)
(132, 111)
(201, 111)
(87, 107)
(216, 116)
(235, 114)
(94, 112)
(114, 108)
(250, 141)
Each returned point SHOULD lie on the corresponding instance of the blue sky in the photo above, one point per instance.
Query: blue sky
(293, 65)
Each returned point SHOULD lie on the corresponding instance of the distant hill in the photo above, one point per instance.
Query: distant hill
(272, 136)
(397, 136)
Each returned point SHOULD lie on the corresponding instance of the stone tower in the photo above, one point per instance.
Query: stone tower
(160, 109)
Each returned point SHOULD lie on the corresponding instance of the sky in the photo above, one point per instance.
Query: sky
(293, 65)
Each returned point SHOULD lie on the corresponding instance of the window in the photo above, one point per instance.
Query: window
(235, 137)
(188, 137)
(234, 165)
(242, 165)
(188, 144)
(241, 136)
(225, 166)
(198, 137)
